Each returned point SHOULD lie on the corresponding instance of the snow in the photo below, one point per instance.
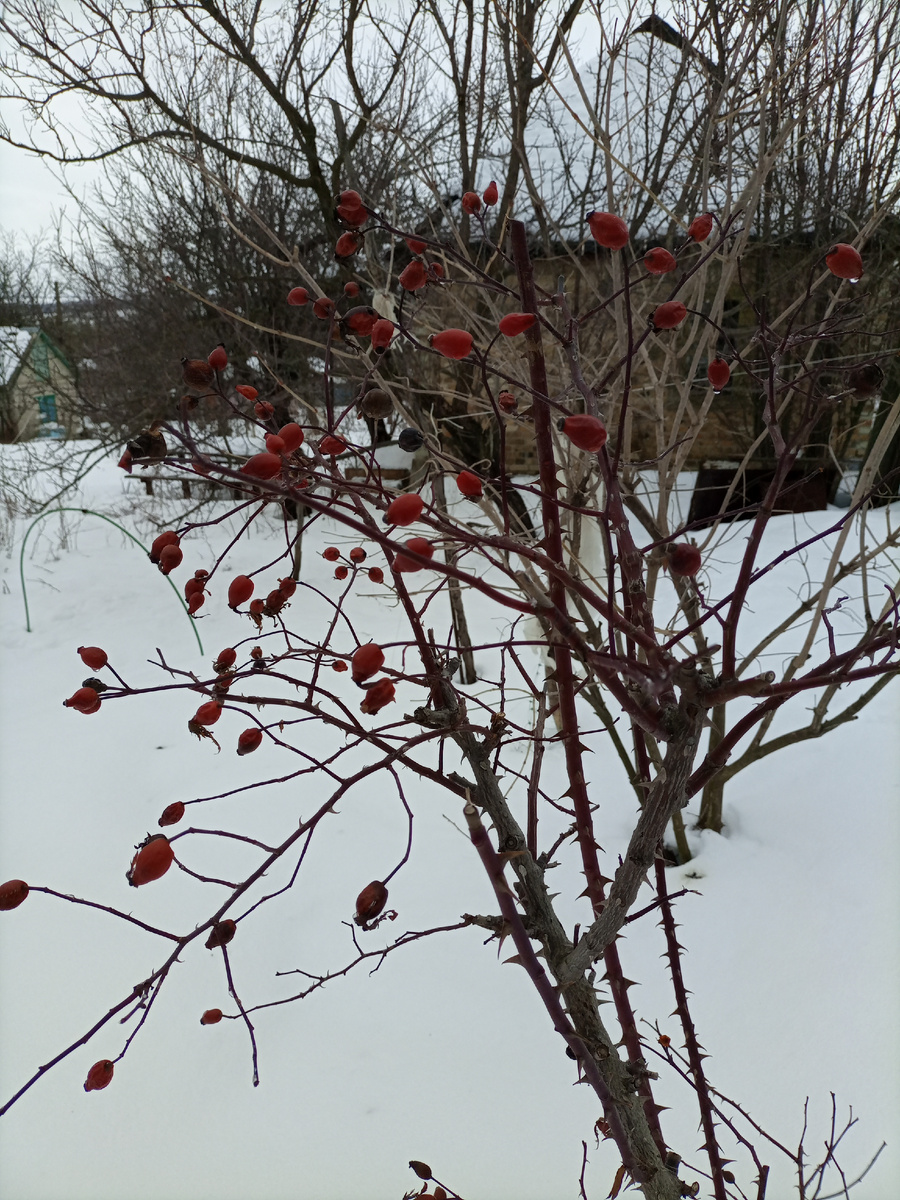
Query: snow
(13, 344)
(444, 1054)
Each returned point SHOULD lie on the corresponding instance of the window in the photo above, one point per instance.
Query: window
(49, 421)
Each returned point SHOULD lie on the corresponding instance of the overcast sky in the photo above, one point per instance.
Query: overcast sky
(31, 192)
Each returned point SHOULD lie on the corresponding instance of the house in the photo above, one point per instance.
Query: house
(38, 388)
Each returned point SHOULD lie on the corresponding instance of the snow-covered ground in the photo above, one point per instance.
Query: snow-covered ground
(445, 1054)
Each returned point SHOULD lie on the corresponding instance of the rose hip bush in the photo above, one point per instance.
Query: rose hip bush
(634, 634)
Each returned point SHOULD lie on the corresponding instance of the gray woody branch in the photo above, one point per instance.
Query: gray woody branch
(667, 796)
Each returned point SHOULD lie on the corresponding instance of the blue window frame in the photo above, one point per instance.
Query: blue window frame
(47, 406)
(49, 418)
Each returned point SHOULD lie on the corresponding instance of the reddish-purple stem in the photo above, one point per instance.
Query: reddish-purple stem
(695, 1056)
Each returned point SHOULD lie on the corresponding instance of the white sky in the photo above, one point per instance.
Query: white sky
(28, 192)
(32, 192)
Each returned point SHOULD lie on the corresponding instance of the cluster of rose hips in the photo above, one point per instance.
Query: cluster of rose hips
(195, 590)
(86, 699)
(199, 373)
(279, 446)
(607, 229)
(611, 232)
(356, 557)
(406, 510)
(210, 712)
(471, 201)
(366, 661)
(166, 551)
(155, 855)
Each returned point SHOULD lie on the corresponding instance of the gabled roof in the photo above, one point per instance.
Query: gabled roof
(14, 345)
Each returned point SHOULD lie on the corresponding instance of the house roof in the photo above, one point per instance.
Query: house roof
(14, 344)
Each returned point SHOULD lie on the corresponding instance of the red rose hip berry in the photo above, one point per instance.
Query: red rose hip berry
(208, 713)
(347, 245)
(225, 661)
(405, 509)
(292, 436)
(659, 261)
(608, 230)
(240, 590)
(12, 894)
(718, 373)
(367, 661)
(669, 315)
(249, 740)
(151, 862)
(844, 262)
(212, 1016)
(701, 227)
(515, 323)
(413, 276)
(221, 934)
(370, 902)
(683, 559)
(170, 558)
(93, 657)
(262, 466)
(585, 432)
(171, 814)
(469, 484)
(378, 695)
(85, 700)
(382, 332)
(99, 1076)
(452, 343)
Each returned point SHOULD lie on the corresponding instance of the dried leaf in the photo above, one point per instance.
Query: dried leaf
(617, 1183)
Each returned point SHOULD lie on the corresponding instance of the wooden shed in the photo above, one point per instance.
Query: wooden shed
(38, 387)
